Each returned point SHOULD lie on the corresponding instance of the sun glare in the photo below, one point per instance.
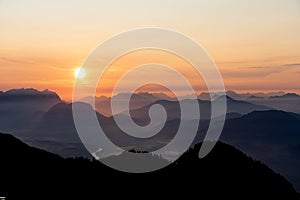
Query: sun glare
(80, 73)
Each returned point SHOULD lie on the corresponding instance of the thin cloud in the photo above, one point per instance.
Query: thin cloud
(28, 61)
(254, 71)
(259, 71)
(292, 65)
(255, 67)
(18, 61)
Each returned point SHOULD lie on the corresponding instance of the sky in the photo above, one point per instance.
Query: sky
(254, 43)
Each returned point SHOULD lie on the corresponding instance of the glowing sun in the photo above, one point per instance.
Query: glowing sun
(80, 72)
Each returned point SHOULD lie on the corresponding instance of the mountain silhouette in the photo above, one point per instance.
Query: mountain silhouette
(56, 132)
(173, 108)
(241, 107)
(268, 135)
(225, 172)
(255, 97)
(240, 96)
(289, 102)
(27, 94)
(137, 100)
(21, 108)
(286, 96)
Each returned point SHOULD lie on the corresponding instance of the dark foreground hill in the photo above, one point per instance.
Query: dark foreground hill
(28, 173)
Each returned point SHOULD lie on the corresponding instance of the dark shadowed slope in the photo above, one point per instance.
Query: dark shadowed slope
(56, 131)
(12, 149)
(241, 107)
(225, 172)
(270, 136)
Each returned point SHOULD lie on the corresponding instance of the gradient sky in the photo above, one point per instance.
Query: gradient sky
(255, 43)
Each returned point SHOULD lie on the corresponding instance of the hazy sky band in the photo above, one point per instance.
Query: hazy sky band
(254, 43)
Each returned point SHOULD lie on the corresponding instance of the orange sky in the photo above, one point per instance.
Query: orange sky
(138, 58)
(254, 43)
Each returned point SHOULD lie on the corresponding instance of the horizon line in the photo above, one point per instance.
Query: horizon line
(239, 92)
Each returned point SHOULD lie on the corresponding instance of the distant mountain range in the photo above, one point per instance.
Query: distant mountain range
(137, 100)
(240, 96)
(28, 94)
(286, 96)
(253, 124)
(289, 102)
(56, 132)
(225, 172)
(173, 108)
